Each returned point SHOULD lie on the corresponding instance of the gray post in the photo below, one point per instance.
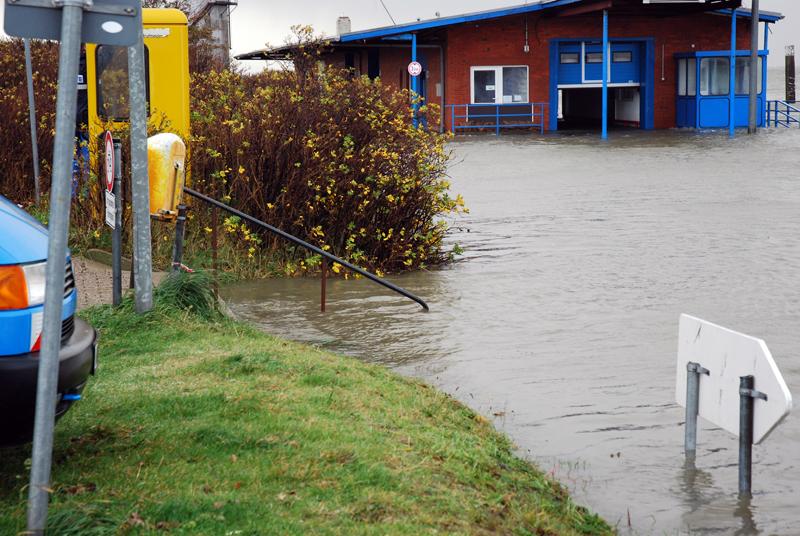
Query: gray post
(180, 228)
(746, 384)
(693, 372)
(752, 125)
(47, 382)
(32, 118)
(790, 74)
(116, 238)
(140, 183)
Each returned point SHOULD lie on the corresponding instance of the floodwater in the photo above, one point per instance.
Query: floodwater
(560, 320)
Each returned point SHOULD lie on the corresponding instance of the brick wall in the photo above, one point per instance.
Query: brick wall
(501, 43)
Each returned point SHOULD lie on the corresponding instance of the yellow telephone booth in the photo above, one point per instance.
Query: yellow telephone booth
(166, 50)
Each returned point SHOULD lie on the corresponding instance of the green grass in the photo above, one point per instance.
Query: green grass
(206, 426)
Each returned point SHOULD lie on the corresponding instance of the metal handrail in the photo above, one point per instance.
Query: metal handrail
(303, 243)
(787, 114)
(537, 112)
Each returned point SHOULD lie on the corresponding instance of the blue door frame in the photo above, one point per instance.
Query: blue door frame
(647, 80)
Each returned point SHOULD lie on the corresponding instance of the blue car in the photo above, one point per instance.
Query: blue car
(23, 255)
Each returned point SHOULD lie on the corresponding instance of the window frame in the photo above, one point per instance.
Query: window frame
(498, 82)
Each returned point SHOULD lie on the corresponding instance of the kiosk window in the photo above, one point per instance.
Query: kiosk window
(743, 75)
(112, 81)
(714, 76)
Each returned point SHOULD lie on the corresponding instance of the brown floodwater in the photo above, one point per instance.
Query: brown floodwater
(560, 320)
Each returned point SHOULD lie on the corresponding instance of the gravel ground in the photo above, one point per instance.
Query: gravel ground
(93, 280)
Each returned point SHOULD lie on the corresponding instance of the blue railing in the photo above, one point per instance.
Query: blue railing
(497, 116)
(783, 114)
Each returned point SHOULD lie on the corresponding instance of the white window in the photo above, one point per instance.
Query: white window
(714, 76)
(743, 75)
(687, 77)
(499, 84)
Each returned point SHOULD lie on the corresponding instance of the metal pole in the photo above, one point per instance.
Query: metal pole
(116, 237)
(746, 384)
(414, 81)
(32, 119)
(693, 372)
(605, 75)
(752, 124)
(140, 183)
(790, 74)
(324, 283)
(180, 230)
(47, 380)
(214, 244)
(732, 79)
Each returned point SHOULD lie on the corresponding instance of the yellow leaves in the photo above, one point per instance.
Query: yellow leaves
(241, 170)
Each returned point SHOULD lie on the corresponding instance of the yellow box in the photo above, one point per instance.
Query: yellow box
(166, 41)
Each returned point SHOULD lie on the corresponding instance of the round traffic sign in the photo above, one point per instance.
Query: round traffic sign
(415, 68)
(109, 143)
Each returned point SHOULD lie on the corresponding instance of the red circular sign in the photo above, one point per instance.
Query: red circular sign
(109, 142)
(415, 68)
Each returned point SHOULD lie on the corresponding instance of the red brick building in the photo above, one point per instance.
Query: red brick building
(667, 64)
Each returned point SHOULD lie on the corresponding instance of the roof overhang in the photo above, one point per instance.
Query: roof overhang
(554, 7)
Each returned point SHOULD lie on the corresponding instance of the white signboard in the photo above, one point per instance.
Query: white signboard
(111, 209)
(728, 355)
(415, 68)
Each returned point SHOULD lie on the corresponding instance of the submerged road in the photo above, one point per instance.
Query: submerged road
(561, 319)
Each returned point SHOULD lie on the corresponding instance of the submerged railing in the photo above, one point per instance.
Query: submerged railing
(497, 116)
(302, 243)
(782, 113)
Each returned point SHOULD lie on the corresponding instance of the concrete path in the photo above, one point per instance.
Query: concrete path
(93, 280)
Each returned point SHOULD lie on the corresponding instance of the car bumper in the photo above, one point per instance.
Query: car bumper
(18, 378)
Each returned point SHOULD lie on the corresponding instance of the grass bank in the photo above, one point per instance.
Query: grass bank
(206, 426)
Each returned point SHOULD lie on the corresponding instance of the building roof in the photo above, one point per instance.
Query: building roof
(399, 30)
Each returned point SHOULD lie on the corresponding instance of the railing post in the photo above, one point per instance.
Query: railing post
(324, 281)
(453, 118)
(693, 372)
(214, 245)
(180, 230)
(497, 119)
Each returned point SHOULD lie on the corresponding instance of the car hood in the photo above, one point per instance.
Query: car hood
(22, 238)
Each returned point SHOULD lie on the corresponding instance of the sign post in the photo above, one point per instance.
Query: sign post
(32, 118)
(111, 22)
(116, 237)
(111, 203)
(731, 380)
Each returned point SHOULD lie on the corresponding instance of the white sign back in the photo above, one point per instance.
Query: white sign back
(109, 168)
(415, 68)
(728, 355)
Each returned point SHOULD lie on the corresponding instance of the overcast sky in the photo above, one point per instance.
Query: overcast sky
(255, 23)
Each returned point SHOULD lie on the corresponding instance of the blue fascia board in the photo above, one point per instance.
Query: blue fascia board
(717, 53)
(763, 16)
(450, 21)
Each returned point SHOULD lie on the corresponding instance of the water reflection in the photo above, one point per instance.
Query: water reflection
(561, 320)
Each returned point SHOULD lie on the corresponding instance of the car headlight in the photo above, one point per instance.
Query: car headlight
(34, 277)
(21, 286)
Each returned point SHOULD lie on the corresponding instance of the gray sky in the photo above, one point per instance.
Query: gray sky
(256, 22)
